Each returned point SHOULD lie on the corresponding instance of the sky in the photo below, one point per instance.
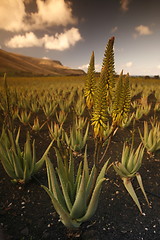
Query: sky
(69, 30)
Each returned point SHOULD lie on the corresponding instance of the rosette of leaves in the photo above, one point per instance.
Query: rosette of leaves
(77, 138)
(19, 164)
(128, 168)
(151, 139)
(90, 83)
(121, 101)
(74, 194)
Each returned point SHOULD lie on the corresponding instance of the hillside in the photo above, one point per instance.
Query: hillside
(15, 64)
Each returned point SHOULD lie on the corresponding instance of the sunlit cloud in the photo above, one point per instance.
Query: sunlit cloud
(14, 17)
(129, 64)
(58, 42)
(158, 66)
(62, 41)
(125, 5)
(142, 30)
(26, 40)
(46, 58)
(85, 67)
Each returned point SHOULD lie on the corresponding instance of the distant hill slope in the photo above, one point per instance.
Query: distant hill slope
(15, 64)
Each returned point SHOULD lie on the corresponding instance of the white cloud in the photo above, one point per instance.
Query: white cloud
(45, 58)
(129, 64)
(85, 67)
(13, 15)
(59, 42)
(124, 5)
(26, 40)
(63, 40)
(143, 30)
(52, 12)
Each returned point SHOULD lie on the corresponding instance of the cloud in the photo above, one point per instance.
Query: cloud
(62, 41)
(12, 14)
(85, 67)
(143, 30)
(14, 17)
(53, 12)
(158, 66)
(46, 58)
(26, 40)
(58, 42)
(129, 64)
(124, 5)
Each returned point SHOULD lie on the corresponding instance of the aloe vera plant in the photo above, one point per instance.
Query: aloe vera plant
(19, 164)
(24, 116)
(151, 139)
(74, 194)
(61, 117)
(128, 168)
(36, 125)
(77, 139)
(55, 131)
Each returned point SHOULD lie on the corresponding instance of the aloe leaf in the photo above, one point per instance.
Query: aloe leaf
(125, 154)
(64, 186)
(129, 165)
(79, 206)
(53, 183)
(79, 173)
(86, 135)
(102, 172)
(64, 215)
(85, 166)
(122, 169)
(128, 185)
(33, 162)
(17, 165)
(27, 153)
(8, 167)
(92, 207)
(118, 171)
(139, 179)
(71, 169)
(39, 164)
(63, 167)
(91, 182)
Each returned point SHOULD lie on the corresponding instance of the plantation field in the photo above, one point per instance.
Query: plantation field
(52, 109)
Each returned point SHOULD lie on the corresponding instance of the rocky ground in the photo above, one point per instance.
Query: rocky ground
(26, 212)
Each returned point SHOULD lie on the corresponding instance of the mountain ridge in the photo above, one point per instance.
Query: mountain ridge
(21, 65)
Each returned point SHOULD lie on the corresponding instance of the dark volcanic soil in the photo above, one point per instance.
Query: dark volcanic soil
(26, 212)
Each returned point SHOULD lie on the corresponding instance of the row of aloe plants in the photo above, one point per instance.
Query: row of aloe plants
(75, 191)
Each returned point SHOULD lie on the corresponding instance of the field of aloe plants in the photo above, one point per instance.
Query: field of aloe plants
(79, 156)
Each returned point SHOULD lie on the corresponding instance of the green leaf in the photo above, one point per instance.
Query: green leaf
(40, 163)
(64, 215)
(79, 206)
(92, 207)
(128, 185)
